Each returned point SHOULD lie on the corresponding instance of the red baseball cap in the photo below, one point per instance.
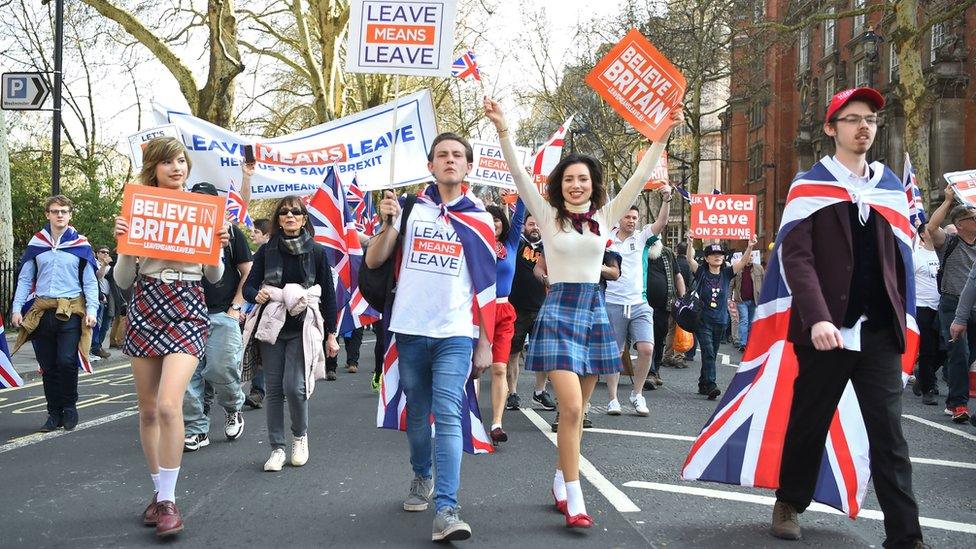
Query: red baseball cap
(870, 95)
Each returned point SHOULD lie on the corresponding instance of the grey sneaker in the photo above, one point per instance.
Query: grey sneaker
(420, 491)
(448, 526)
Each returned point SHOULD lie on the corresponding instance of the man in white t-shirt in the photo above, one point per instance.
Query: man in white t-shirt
(930, 357)
(630, 315)
(432, 321)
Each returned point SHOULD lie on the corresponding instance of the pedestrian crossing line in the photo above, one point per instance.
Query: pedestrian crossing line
(41, 437)
(770, 501)
(944, 463)
(620, 501)
(98, 371)
(940, 427)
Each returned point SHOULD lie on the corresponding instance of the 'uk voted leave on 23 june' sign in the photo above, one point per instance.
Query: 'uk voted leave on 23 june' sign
(413, 37)
(726, 216)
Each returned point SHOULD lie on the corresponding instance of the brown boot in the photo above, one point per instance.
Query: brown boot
(785, 524)
(168, 519)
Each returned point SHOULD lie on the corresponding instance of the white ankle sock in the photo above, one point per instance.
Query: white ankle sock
(167, 484)
(496, 426)
(559, 486)
(155, 479)
(539, 393)
(574, 498)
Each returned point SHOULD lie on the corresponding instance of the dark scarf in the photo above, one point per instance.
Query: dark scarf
(577, 219)
(301, 246)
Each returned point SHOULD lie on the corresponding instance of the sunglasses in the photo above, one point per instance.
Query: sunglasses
(293, 211)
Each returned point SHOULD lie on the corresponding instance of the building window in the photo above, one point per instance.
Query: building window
(828, 33)
(828, 89)
(892, 62)
(760, 217)
(755, 162)
(858, 19)
(673, 235)
(938, 39)
(861, 73)
(804, 48)
(755, 115)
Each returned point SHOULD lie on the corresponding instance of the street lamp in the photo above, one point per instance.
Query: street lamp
(870, 42)
(684, 182)
(776, 212)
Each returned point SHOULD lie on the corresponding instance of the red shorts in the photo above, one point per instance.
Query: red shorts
(501, 347)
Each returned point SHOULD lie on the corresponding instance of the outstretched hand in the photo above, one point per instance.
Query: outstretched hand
(494, 113)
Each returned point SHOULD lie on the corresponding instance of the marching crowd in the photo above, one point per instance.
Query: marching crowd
(571, 271)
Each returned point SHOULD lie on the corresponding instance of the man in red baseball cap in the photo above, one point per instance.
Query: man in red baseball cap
(844, 257)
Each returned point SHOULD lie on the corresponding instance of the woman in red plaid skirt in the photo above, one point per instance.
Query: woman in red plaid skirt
(167, 336)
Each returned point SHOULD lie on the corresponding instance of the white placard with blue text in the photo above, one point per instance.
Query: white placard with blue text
(490, 167)
(411, 37)
(358, 145)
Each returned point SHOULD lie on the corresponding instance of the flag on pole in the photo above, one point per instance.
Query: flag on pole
(465, 67)
(916, 208)
(8, 375)
(742, 443)
(545, 159)
(237, 208)
(335, 228)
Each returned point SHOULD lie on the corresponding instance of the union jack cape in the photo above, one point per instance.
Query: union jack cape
(475, 228)
(72, 243)
(742, 442)
(8, 375)
(335, 228)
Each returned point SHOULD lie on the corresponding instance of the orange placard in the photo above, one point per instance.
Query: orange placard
(659, 175)
(177, 225)
(639, 83)
(725, 216)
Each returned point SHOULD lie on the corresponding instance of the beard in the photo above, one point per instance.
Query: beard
(655, 250)
(533, 236)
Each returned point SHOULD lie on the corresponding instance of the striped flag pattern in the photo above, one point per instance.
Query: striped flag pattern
(466, 66)
(8, 375)
(237, 208)
(545, 159)
(916, 208)
(363, 210)
(742, 442)
(335, 228)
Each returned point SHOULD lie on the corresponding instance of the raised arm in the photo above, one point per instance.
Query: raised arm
(518, 221)
(690, 256)
(662, 215)
(526, 188)
(937, 234)
(746, 256)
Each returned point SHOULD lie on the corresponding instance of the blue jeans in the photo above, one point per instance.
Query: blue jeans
(220, 367)
(433, 372)
(747, 312)
(709, 337)
(959, 353)
(104, 323)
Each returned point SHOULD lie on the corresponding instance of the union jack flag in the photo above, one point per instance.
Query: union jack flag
(466, 66)
(363, 211)
(237, 208)
(742, 442)
(916, 208)
(8, 375)
(335, 228)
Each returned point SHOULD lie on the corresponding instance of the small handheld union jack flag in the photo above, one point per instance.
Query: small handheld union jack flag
(237, 208)
(466, 66)
(916, 208)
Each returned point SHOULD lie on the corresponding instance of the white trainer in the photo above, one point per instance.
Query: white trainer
(640, 405)
(613, 408)
(299, 450)
(276, 461)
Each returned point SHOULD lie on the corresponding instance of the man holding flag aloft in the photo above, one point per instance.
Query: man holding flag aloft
(815, 407)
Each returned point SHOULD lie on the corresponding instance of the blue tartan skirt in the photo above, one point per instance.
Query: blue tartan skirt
(572, 332)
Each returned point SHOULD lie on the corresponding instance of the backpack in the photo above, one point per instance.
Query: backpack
(379, 284)
(950, 245)
(687, 309)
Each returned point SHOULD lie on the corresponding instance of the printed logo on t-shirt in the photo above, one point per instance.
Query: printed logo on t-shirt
(933, 265)
(435, 249)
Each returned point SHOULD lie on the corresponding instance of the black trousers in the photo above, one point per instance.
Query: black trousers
(875, 373)
(56, 348)
(661, 316)
(352, 344)
(931, 355)
(379, 348)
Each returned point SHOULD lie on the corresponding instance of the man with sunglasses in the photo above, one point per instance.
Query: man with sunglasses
(957, 255)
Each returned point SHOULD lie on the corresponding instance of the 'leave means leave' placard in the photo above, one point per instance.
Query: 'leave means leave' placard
(725, 216)
(413, 37)
(167, 224)
(639, 83)
(490, 167)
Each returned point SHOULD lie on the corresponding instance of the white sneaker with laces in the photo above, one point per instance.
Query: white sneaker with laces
(613, 408)
(276, 461)
(299, 450)
(233, 425)
(640, 405)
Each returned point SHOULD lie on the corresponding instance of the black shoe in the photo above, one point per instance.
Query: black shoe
(702, 389)
(52, 424)
(587, 424)
(70, 418)
(917, 388)
(330, 375)
(555, 423)
(929, 398)
(254, 400)
(544, 400)
(742, 348)
(649, 384)
(513, 402)
(713, 393)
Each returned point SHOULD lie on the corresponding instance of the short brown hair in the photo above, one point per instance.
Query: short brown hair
(159, 150)
(960, 211)
(60, 200)
(290, 201)
(448, 136)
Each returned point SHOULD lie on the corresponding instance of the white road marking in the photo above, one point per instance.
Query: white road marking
(769, 501)
(726, 360)
(81, 378)
(944, 463)
(940, 427)
(41, 437)
(620, 501)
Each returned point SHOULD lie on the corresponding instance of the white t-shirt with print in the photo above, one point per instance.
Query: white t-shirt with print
(926, 270)
(434, 291)
(629, 288)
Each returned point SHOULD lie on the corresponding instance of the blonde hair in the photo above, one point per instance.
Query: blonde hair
(159, 150)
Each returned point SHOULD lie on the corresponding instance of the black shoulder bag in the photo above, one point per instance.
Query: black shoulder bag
(687, 309)
(377, 285)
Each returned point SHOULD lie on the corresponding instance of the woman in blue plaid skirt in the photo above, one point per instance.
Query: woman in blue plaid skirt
(572, 339)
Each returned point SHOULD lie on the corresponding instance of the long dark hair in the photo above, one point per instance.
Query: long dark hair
(289, 201)
(499, 213)
(554, 185)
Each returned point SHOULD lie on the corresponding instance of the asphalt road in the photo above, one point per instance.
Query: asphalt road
(87, 488)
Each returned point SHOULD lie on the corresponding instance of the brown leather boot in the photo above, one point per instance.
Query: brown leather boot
(785, 524)
(168, 519)
(149, 515)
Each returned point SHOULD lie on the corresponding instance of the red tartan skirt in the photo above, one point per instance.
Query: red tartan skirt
(166, 319)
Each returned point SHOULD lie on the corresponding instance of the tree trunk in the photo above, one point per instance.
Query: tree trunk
(6, 214)
(915, 97)
(217, 96)
(695, 123)
(333, 17)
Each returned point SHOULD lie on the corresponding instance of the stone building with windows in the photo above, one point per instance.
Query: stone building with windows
(773, 126)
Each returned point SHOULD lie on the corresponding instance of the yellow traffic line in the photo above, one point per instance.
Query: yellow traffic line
(96, 374)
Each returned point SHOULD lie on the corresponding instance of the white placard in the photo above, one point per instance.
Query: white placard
(490, 167)
(411, 37)
(138, 141)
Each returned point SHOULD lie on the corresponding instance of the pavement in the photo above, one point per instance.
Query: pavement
(88, 487)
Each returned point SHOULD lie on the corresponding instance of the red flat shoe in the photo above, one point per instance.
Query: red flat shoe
(168, 521)
(560, 504)
(581, 520)
(149, 516)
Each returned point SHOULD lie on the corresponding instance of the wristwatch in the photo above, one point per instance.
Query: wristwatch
(237, 307)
